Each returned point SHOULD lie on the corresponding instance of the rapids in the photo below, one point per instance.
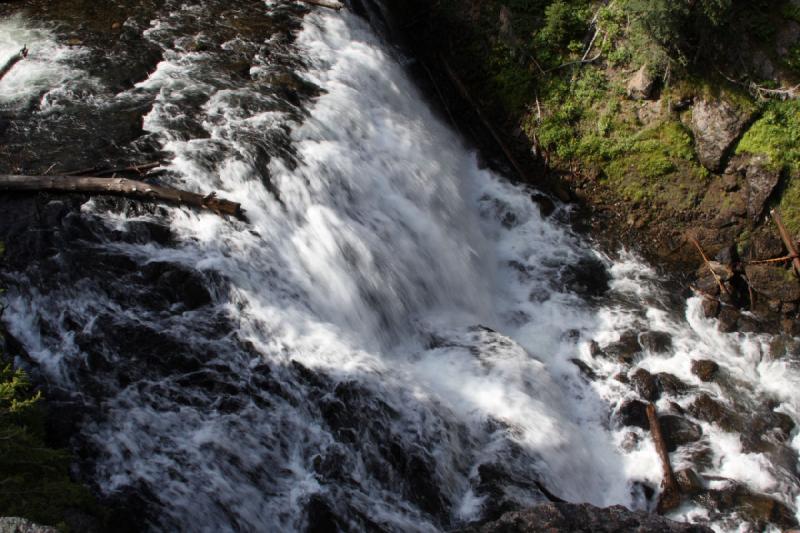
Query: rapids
(387, 343)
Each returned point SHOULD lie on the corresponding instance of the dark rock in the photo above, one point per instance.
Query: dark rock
(553, 517)
(678, 431)
(775, 283)
(546, 205)
(178, 284)
(656, 341)
(728, 319)
(704, 369)
(626, 348)
(716, 125)
(630, 442)
(645, 384)
(586, 370)
(587, 276)
(758, 509)
(784, 346)
(11, 524)
(670, 384)
(710, 308)
(595, 350)
(709, 410)
(320, 518)
(689, 481)
(633, 413)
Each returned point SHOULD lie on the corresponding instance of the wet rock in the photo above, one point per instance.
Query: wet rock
(641, 85)
(761, 182)
(656, 341)
(710, 308)
(626, 348)
(645, 384)
(630, 442)
(784, 346)
(320, 518)
(704, 369)
(758, 509)
(678, 431)
(498, 487)
(689, 481)
(670, 384)
(587, 276)
(585, 370)
(178, 284)
(766, 431)
(775, 283)
(716, 125)
(633, 413)
(728, 319)
(546, 205)
(581, 518)
(709, 410)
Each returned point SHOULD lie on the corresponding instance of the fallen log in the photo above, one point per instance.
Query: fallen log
(95, 171)
(13, 60)
(324, 3)
(121, 187)
(471, 101)
(670, 491)
(787, 240)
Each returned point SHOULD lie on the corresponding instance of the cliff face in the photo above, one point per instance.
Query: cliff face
(666, 120)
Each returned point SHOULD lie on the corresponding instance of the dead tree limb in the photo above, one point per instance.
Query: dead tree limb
(787, 240)
(330, 4)
(120, 187)
(94, 171)
(468, 97)
(13, 60)
(722, 286)
(670, 491)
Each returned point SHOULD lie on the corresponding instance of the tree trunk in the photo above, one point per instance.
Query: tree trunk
(120, 187)
(670, 494)
(13, 60)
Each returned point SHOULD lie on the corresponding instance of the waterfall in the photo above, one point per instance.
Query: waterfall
(386, 343)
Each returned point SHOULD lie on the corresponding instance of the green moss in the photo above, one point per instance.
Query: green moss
(777, 135)
(34, 478)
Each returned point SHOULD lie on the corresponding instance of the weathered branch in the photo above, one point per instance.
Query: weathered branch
(787, 240)
(13, 60)
(330, 4)
(670, 494)
(722, 286)
(120, 187)
(94, 171)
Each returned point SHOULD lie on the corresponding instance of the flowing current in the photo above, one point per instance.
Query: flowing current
(387, 343)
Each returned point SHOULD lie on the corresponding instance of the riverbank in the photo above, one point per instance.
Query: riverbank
(655, 154)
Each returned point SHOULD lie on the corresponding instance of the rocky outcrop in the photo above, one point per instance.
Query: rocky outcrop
(581, 517)
(704, 369)
(716, 125)
(641, 85)
(774, 283)
(760, 180)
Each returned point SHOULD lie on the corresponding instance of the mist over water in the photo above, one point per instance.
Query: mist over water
(387, 340)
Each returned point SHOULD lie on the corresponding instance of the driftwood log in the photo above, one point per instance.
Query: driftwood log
(670, 490)
(330, 4)
(787, 240)
(138, 190)
(465, 94)
(13, 60)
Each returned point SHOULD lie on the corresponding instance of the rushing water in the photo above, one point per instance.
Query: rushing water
(385, 343)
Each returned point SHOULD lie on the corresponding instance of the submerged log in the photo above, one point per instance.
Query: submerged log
(13, 60)
(670, 491)
(787, 240)
(138, 190)
(330, 4)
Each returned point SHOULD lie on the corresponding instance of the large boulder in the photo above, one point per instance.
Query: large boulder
(716, 125)
(760, 178)
(773, 282)
(640, 86)
(581, 518)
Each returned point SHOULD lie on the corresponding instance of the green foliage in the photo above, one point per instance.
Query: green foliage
(34, 478)
(777, 135)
